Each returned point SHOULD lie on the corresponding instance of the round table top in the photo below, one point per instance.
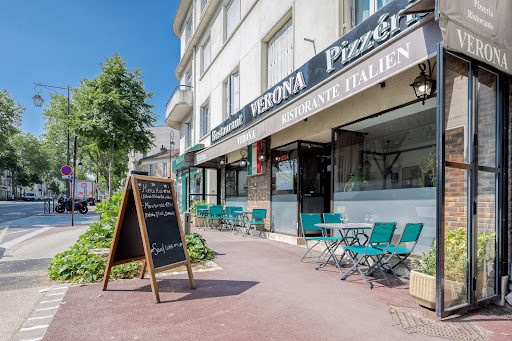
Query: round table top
(346, 226)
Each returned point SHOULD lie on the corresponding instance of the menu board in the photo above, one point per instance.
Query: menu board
(164, 235)
(149, 229)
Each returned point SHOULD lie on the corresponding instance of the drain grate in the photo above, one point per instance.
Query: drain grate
(418, 320)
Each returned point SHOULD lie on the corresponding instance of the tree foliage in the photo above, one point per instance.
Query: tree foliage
(110, 116)
(10, 119)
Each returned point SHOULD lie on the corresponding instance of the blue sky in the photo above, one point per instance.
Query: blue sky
(61, 42)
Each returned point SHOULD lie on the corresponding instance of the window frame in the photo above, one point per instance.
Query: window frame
(189, 29)
(205, 66)
(204, 121)
(232, 94)
(164, 169)
(238, 18)
(151, 170)
(270, 43)
(373, 6)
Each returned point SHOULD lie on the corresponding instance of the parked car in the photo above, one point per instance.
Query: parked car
(32, 196)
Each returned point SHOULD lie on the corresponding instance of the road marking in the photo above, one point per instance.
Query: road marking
(57, 307)
(14, 232)
(62, 293)
(38, 318)
(34, 327)
(58, 299)
(18, 240)
(14, 213)
(4, 232)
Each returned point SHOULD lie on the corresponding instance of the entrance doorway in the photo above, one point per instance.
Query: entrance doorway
(315, 176)
(471, 180)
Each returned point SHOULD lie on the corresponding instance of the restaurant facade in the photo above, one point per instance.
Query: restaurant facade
(406, 117)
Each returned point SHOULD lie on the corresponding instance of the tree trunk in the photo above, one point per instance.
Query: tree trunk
(111, 171)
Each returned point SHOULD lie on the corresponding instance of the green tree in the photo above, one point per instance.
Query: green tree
(112, 111)
(10, 119)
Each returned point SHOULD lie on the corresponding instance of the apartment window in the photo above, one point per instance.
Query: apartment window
(206, 55)
(188, 29)
(364, 8)
(232, 94)
(188, 79)
(164, 170)
(188, 141)
(150, 173)
(232, 16)
(205, 119)
(280, 55)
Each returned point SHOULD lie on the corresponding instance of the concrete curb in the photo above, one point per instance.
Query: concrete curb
(38, 322)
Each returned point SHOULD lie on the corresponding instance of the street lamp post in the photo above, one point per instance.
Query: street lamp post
(171, 145)
(38, 102)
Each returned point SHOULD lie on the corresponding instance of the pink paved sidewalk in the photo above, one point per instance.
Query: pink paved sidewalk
(263, 292)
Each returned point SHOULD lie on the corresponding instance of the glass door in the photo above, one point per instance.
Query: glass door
(470, 176)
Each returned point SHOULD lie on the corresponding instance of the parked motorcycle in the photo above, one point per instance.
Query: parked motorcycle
(66, 205)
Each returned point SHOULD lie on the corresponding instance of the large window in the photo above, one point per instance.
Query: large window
(205, 119)
(236, 181)
(280, 55)
(364, 8)
(206, 55)
(232, 16)
(232, 94)
(151, 170)
(285, 169)
(385, 166)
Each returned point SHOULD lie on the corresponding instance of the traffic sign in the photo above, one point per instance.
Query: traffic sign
(67, 177)
(66, 170)
(84, 185)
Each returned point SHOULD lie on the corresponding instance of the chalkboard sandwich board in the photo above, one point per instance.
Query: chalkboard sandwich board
(149, 229)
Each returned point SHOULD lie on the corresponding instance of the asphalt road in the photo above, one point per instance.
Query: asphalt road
(10, 210)
(18, 219)
(28, 243)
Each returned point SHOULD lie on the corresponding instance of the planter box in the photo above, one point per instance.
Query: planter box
(423, 288)
(198, 221)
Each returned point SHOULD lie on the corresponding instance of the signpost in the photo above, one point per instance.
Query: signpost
(149, 229)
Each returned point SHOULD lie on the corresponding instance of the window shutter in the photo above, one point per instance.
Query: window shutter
(280, 55)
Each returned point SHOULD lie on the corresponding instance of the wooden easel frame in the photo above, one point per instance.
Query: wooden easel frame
(131, 185)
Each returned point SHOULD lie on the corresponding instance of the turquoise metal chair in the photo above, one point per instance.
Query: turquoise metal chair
(215, 214)
(308, 222)
(227, 218)
(202, 212)
(381, 235)
(411, 234)
(258, 218)
(236, 213)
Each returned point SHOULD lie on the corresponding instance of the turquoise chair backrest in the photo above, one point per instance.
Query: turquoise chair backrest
(236, 211)
(411, 232)
(382, 233)
(259, 213)
(332, 218)
(216, 210)
(201, 208)
(229, 210)
(308, 221)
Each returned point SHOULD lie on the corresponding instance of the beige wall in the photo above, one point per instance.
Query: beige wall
(245, 49)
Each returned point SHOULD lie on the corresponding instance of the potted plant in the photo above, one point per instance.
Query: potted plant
(422, 284)
(196, 221)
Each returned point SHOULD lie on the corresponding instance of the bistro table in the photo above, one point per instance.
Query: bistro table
(345, 230)
(245, 218)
